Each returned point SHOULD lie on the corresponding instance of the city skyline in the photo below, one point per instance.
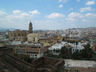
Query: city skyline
(47, 14)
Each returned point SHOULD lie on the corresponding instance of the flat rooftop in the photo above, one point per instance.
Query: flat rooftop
(79, 63)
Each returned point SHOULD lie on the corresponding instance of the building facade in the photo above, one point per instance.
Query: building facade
(33, 37)
(31, 50)
(18, 35)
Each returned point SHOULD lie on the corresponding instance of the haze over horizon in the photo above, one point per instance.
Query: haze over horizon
(47, 14)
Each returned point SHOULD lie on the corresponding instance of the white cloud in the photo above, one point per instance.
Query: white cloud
(22, 15)
(60, 0)
(65, 1)
(73, 19)
(16, 11)
(19, 14)
(34, 12)
(74, 16)
(2, 13)
(90, 15)
(86, 9)
(17, 19)
(90, 3)
(55, 15)
(61, 5)
(78, 0)
(90, 19)
(25, 14)
(47, 24)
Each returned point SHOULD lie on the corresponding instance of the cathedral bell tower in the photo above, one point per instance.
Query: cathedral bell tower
(30, 28)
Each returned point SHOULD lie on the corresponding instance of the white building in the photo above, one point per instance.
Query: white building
(78, 47)
(3, 38)
(55, 49)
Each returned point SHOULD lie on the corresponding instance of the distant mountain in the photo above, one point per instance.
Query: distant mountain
(83, 30)
(89, 28)
(6, 29)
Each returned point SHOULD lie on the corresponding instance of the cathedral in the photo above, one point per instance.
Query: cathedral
(32, 37)
(30, 28)
(20, 35)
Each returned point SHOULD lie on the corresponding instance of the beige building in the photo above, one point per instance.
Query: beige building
(60, 38)
(18, 35)
(31, 50)
(33, 37)
(47, 41)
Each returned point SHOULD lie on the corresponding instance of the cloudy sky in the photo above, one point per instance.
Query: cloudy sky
(47, 14)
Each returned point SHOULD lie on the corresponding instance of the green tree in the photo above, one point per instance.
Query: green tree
(65, 52)
(27, 59)
(87, 52)
(76, 55)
